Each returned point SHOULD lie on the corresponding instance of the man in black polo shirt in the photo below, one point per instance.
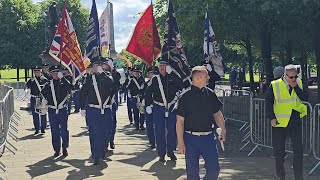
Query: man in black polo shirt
(197, 109)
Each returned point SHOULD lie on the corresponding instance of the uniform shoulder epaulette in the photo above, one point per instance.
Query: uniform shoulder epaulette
(150, 81)
(185, 91)
(210, 89)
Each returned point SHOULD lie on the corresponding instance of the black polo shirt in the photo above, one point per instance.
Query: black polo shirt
(197, 106)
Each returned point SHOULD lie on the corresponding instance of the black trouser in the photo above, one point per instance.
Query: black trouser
(279, 136)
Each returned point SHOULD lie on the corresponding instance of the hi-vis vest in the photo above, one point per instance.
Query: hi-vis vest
(284, 103)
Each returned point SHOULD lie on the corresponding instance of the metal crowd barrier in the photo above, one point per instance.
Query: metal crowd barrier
(316, 136)
(18, 90)
(237, 105)
(240, 106)
(261, 130)
(7, 118)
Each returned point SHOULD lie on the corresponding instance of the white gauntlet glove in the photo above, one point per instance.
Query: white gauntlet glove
(100, 70)
(209, 68)
(83, 113)
(60, 75)
(149, 109)
(168, 69)
(44, 101)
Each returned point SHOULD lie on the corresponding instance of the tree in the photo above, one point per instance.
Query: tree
(20, 33)
(79, 17)
(16, 40)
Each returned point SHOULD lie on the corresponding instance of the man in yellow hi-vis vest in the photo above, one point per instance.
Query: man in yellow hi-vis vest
(285, 109)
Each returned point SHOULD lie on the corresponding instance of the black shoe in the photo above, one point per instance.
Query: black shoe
(96, 161)
(76, 111)
(142, 128)
(65, 153)
(56, 154)
(112, 146)
(152, 147)
(42, 131)
(282, 178)
(172, 157)
(131, 123)
(161, 159)
(37, 132)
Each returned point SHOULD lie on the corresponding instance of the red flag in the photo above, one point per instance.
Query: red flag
(65, 46)
(145, 42)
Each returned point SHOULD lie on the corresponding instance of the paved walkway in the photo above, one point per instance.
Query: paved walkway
(130, 160)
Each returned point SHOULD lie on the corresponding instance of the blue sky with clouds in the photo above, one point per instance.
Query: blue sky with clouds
(124, 15)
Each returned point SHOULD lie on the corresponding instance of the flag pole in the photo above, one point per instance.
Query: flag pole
(152, 36)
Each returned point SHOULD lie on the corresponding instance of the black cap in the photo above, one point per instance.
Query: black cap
(136, 69)
(95, 60)
(204, 62)
(163, 62)
(45, 65)
(36, 68)
(54, 68)
(152, 69)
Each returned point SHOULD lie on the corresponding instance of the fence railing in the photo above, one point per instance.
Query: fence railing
(239, 106)
(316, 136)
(8, 117)
(18, 90)
(261, 130)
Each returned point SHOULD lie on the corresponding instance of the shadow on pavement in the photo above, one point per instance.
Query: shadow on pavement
(31, 136)
(45, 166)
(165, 171)
(83, 133)
(82, 171)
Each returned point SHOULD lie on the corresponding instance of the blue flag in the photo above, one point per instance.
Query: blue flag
(172, 50)
(93, 35)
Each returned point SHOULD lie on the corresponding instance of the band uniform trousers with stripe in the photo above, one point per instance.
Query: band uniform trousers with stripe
(59, 128)
(99, 130)
(150, 129)
(206, 146)
(129, 107)
(166, 142)
(137, 116)
(114, 119)
(76, 100)
(39, 122)
(69, 106)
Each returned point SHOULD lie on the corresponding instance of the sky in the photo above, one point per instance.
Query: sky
(124, 17)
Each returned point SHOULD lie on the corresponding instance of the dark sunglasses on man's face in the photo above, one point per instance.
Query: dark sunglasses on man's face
(291, 77)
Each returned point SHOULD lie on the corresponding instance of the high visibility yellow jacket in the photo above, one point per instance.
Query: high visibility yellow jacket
(284, 102)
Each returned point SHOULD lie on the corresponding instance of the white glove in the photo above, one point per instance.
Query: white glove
(60, 75)
(44, 101)
(27, 91)
(100, 70)
(149, 109)
(209, 68)
(83, 113)
(168, 69)
(110, 63)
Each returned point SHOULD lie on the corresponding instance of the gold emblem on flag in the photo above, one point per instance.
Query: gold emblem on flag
(146, 37)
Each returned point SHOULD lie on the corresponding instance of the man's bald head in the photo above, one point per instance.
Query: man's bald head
(199, 76)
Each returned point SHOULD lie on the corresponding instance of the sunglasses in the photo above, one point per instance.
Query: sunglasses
(291, 77)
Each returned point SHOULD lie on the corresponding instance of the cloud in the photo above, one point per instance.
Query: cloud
(125, 16)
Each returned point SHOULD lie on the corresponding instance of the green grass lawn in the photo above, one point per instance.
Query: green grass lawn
(255, 77)
(11, 75)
